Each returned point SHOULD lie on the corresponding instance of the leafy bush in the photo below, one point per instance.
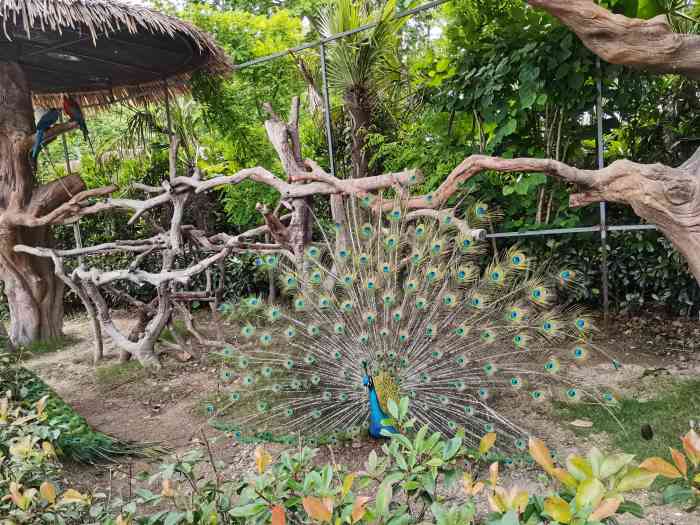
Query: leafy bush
(684, 473)
(408, 482)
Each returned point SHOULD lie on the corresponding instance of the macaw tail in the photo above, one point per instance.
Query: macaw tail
(38, 143)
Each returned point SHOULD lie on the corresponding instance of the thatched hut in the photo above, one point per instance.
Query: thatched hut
(99, 52)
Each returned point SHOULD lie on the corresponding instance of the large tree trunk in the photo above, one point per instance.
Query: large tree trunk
(34, 293)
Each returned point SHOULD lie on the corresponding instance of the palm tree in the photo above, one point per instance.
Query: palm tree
(365, 66)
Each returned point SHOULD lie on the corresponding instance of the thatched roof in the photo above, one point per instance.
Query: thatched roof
(103, 51)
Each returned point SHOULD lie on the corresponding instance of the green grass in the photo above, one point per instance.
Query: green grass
(55, 344)
(669, 414)
(110, 375)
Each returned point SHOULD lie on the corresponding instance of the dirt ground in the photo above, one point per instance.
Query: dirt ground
(167, 407)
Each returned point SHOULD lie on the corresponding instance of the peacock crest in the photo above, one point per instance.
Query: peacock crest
(416, 298)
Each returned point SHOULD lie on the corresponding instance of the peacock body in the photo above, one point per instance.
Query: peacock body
(416, 300)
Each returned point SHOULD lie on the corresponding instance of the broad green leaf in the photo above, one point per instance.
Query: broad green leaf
(247, 511)
(451, 448)
(635, 509)
(385, 493)
(648, 9)
(589, 492)
(677, 495)
(174, 518)
(636, 479)
(613, 464)
(595, 460)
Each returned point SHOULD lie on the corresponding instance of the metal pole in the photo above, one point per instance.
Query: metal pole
(168, 117)
(603, 206)
(76, 225)
(327, 109)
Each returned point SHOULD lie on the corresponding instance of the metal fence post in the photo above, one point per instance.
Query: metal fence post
(327, 108)
(603, 206)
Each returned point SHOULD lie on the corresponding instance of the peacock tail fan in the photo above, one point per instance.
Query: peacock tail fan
(77, 440)
(416, 297)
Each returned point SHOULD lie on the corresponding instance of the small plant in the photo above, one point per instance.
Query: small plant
(593, 488)
(684, 472)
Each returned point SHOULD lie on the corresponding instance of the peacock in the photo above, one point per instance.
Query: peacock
(403, 303)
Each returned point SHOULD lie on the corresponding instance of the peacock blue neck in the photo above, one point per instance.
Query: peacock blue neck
(376, 416)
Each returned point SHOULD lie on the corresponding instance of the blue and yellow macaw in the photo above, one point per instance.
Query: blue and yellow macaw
(47, 120)
(376, 414)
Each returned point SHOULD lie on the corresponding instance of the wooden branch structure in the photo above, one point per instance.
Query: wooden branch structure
(668, 197)
(288, 236)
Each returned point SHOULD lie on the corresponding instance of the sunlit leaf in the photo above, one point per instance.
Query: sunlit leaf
(317, 509)
(636, 479)
(607, 508)
(347, 483)
(613, 464)
(47, 490)
(589, 492)
(579, 467)
(661, 467)
(564, 477)
(262, 459)
(540, 453)
(72, 496)
(558, 509)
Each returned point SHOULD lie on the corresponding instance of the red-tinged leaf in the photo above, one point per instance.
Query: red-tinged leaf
(661, 467)
(691, 445)
(607, 508)
(358, 508)
(317, 509)
(278, 515)
(540, 453)
(679, 461)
